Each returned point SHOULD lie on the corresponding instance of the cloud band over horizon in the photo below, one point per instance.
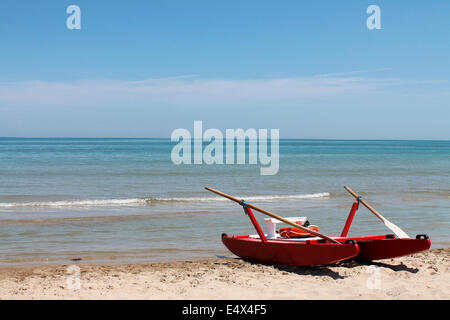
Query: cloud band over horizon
(153, 107)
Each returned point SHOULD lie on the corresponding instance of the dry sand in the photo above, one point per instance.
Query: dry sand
(421, 276)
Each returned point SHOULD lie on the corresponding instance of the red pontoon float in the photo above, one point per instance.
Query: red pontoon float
(305, 251)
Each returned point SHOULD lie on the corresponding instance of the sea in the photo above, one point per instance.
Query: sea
(124, 200)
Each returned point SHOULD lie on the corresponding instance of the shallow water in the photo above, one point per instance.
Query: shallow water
(124, 200)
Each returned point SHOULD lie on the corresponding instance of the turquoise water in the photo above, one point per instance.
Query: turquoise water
(124, 200)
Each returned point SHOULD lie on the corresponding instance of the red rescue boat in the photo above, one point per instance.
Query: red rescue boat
(318, 249)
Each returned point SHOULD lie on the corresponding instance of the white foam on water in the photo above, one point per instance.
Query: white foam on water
(145, 201)
(249, 198)
(75, 203)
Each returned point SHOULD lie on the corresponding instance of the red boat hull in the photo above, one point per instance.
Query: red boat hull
(315, 252)
(295, 253)
(387, 247)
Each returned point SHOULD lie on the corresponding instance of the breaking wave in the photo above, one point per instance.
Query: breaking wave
(249, 198)
(151, 200)
(75, 203)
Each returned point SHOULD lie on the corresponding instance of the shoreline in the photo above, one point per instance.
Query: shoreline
(424, 275)
(117, 261)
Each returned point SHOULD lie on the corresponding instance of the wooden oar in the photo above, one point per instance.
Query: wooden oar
(272, 215)
(398, 232)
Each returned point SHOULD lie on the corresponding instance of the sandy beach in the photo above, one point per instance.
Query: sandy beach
(422, 276)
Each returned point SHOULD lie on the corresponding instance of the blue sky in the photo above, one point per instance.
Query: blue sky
(144, 68)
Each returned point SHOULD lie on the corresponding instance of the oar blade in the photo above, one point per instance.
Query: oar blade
(397, 231)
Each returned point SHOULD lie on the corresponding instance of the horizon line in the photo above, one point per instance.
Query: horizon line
(168, 138)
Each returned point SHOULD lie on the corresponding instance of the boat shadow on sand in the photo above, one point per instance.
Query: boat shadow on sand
(327, 270)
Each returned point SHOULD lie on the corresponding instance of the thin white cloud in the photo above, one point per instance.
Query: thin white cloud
(352, 72)
(192, 90)
(178, 90)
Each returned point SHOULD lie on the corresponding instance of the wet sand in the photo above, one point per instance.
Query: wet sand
(422, 276)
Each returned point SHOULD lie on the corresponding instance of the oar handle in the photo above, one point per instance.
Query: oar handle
(223, 194)
(375, 212)
(273, 215)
